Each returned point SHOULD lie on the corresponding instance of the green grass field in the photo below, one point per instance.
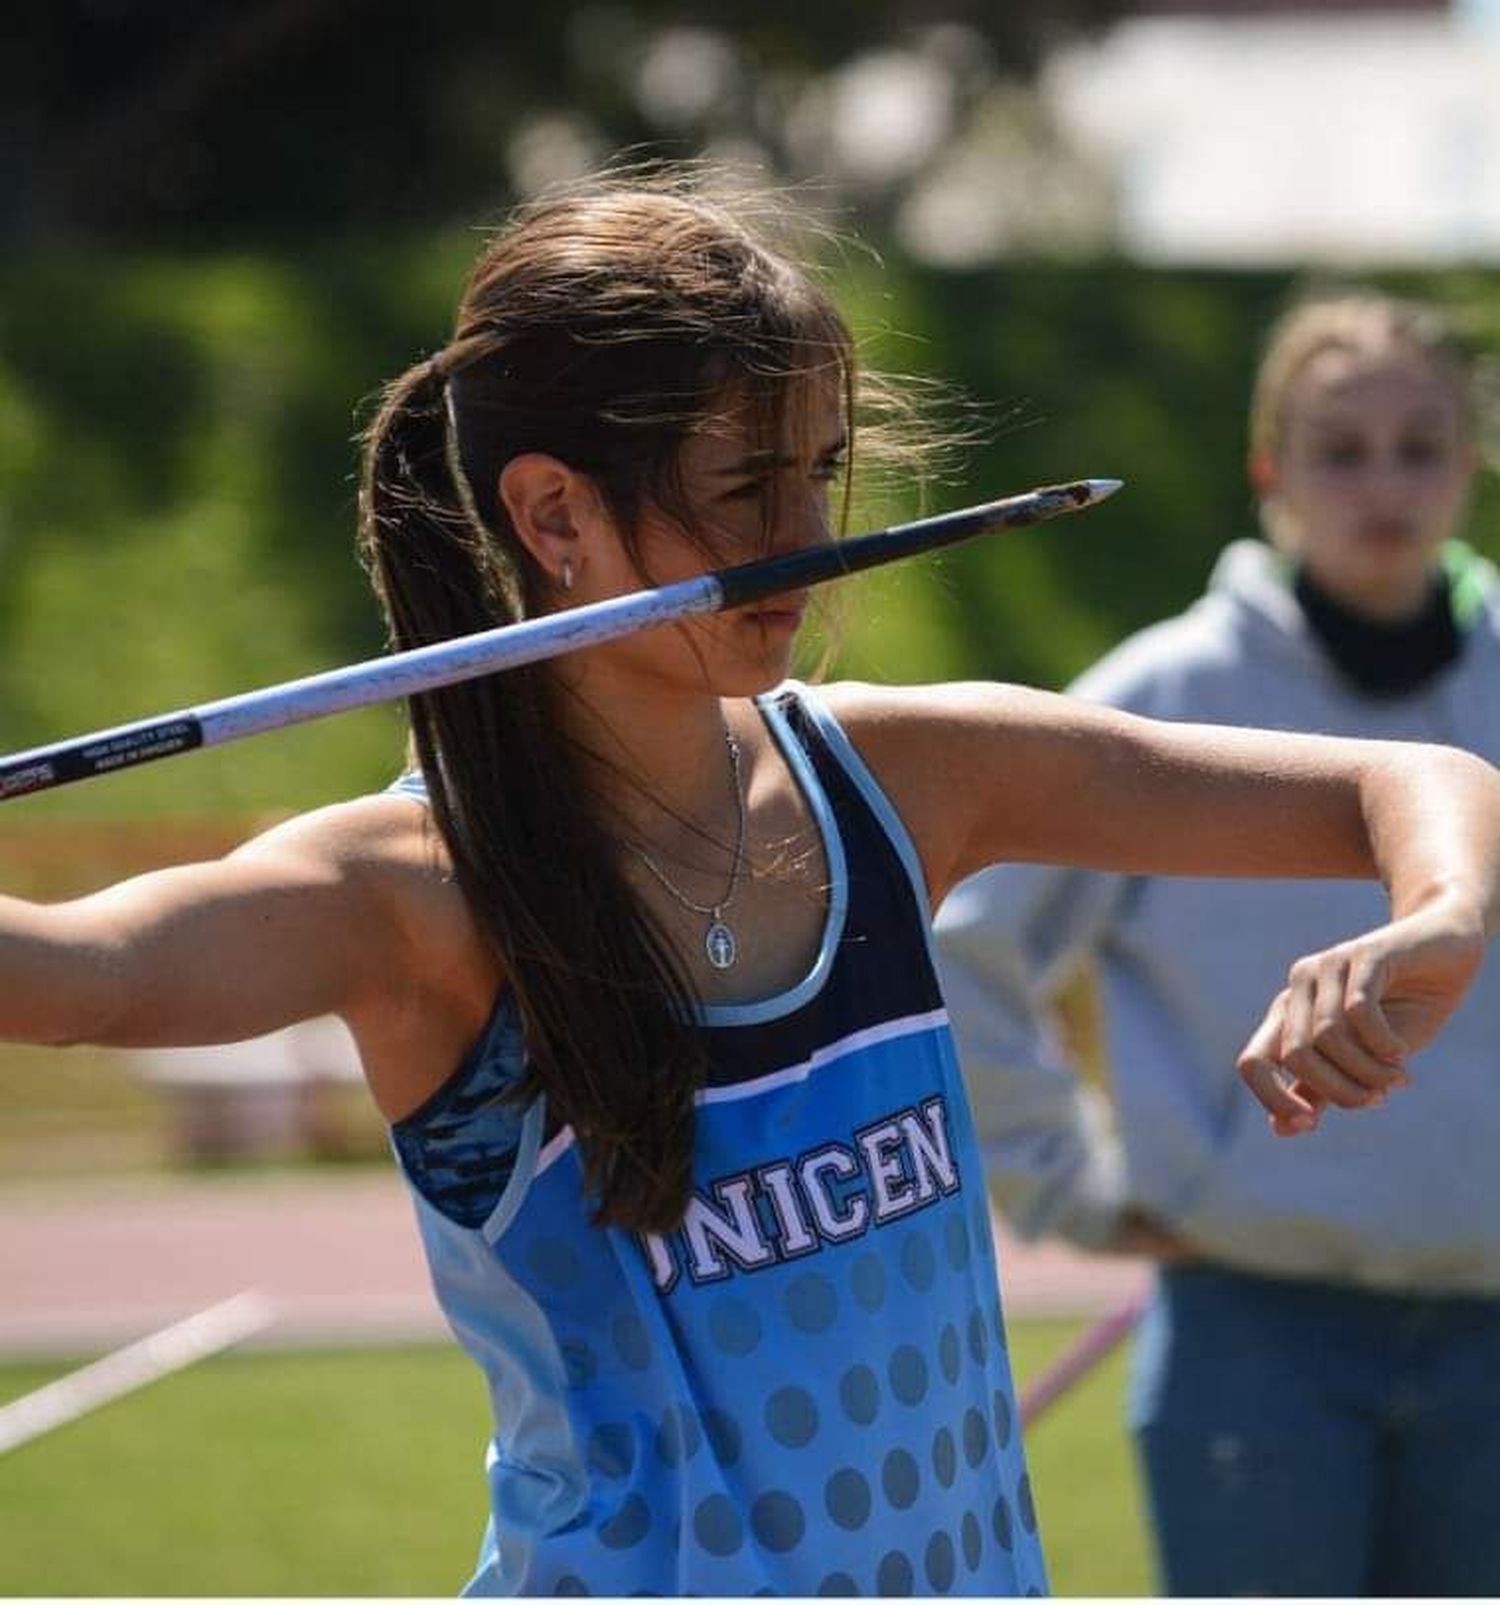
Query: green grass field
(359, 1472)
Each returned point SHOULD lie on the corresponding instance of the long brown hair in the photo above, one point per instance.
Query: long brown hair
(600, 327)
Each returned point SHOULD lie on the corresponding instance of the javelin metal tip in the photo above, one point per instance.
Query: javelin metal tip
(1100, 488)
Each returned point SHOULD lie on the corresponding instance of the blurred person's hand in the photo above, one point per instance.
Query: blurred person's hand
(1141, 1234)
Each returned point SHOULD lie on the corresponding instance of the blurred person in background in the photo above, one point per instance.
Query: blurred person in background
(1316, 1387)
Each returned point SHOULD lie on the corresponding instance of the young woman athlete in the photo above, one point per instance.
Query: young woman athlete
(637, 955)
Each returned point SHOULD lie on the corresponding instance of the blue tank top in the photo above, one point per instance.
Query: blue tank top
(804, 1389)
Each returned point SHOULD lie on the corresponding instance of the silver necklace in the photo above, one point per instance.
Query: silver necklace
(720, 945)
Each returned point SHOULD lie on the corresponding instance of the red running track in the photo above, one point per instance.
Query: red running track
(87, 1268)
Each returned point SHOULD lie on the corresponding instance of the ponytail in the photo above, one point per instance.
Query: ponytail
(606, 1012)
(601, 329)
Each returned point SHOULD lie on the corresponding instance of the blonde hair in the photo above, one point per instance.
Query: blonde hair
(1364, 323)
(1361, 321)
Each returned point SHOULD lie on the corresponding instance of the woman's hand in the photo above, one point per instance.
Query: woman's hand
(1349, 1017)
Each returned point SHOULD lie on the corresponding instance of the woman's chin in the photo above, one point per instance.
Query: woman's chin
(755, 674)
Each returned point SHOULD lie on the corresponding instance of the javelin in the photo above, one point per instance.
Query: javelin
(174, 1348)
(466, 657)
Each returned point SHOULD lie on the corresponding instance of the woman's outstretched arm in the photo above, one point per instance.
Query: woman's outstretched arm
(988, 773)
(282, 928)
(345, 911)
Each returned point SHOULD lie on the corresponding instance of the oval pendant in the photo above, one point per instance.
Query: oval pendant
(720, 946)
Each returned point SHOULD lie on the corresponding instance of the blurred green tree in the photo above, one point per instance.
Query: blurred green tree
(178, 468)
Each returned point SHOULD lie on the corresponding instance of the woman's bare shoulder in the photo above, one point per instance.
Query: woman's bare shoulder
(387, 837)
(955, 759)
(386, 852)
(440, 973)
(913, 714)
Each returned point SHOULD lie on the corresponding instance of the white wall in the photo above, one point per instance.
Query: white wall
(1339, 140)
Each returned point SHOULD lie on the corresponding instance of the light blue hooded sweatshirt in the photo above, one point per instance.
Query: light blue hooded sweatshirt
(1404, 1197)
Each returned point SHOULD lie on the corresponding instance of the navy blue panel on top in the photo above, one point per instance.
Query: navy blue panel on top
(873, 978)
(459, 1148)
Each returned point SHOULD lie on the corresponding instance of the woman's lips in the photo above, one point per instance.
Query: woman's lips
(782, 616)
(1387, 531)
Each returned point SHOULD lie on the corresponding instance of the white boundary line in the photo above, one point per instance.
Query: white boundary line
(138, 1364)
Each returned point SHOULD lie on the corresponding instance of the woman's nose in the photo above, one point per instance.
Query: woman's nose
(1394, 479)
(804, 520)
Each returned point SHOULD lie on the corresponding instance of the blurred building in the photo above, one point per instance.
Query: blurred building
(1288, 8)
(1244, 133)
(1235, 132)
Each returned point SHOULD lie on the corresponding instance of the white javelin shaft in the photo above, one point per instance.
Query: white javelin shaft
(445, 663)
(135, 1366)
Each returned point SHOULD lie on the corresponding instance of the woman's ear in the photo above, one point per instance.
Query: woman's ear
(553, 508)
(1264, 476)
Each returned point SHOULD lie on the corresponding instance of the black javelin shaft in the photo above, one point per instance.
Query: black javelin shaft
(444, 663)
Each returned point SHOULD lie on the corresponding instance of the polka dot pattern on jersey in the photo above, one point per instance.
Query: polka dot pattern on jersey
(940, 1562)
(950, 1354)
(1003, 1416)
(724, 1437)
(631, 1343)
(1023, 1501)
(628, 1526)
(802, 1386)
(812, 1305)
(944, 1457)
(908, 1374)
(579, 1361)
(848, 1499)
(894, 1577)
(923, 1418)
(900, 1479)
(778, 1523)
(918, 1262)
(717, 1527)
(972, 1539)
(611, 1449)
(859, 1393)
(869, 1283)
(679, 1437)
(734, 1326)
(887, 1473)
(792, 1417)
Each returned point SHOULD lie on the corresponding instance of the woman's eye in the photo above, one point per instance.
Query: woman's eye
(747, 491)
(1421, 453)
(1340, 454)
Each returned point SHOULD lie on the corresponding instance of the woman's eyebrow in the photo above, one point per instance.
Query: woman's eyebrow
(1336, 418)
(753, 461)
